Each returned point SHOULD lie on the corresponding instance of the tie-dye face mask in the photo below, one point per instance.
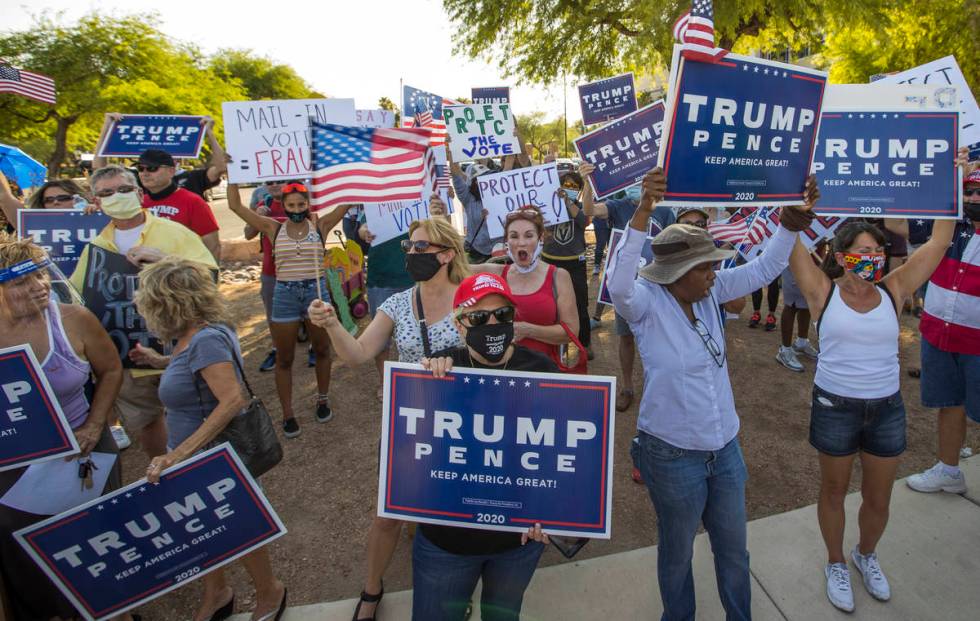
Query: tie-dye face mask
(870, 267)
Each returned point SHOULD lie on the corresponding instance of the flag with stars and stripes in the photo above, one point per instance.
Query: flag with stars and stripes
(695, 31)
(31, 85)
(369, 165)
(422, 108)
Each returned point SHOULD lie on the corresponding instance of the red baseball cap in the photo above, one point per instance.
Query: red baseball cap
(478, 286)
(973, 177)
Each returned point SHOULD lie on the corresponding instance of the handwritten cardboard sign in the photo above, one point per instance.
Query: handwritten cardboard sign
(480, 131)
(537, 186)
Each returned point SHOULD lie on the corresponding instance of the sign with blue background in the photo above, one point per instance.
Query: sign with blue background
(624, 150)
(490, 94)
(180, 136)
(498, 450)
(604, 100)
(888, 164)
(741, 131)
(32, 426)
(63, 233)
(133, 545)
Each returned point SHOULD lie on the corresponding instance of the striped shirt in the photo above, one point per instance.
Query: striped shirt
(298, 259)
(951, 318)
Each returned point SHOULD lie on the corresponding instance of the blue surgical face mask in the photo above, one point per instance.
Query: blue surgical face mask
(633, 193)
(572, 194)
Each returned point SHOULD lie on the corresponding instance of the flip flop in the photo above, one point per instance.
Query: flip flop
(275, 615)
(623, 400)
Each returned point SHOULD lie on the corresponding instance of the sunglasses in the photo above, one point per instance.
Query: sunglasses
(270, 183)
(294, 187)
(148, 167)
(972, 192)
(61, 198)
(504, 314)
(123, 189)
(421, 245)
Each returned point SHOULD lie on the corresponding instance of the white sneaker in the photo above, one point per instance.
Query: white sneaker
(805, 347)
(874, 580)
(936, 480)
(839, 586)
(119, 435)
(787, 358)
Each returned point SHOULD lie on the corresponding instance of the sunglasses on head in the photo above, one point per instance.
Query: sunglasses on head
(61, 198)
(420, 246)
(123, 189)
(504, 314)
(525, 213)
(294, 187)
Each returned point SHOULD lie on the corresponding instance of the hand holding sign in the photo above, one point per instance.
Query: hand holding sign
(654, 185)
(798, 219)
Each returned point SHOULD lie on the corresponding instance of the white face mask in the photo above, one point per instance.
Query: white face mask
(534, 259)
(121, 206)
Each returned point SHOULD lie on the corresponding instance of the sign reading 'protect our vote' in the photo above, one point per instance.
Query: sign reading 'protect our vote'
(480, 131)
(507, 191)
(178, 135)
(888, 163)
(133, 545)
(741, 131)
(607, 99)
(498, 450)
(623, 150)
(32, 426)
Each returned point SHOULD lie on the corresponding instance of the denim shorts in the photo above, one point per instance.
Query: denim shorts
(950, 379)
(291, 298)
(268, 286)
(841, 426)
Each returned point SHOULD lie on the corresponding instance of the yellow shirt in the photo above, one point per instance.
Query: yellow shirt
(164, 235)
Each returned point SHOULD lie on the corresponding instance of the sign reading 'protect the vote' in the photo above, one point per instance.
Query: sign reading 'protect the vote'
(32, 426)
(535, 186)
(498, 450)
(180, 136)
(607, 99)
(62, 233)
(624, 150)
(888, 163)
(490, 94)
(480, 131)
(133, 545)
(741, 131)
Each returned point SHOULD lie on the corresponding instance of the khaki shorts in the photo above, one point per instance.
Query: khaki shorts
(138, 404)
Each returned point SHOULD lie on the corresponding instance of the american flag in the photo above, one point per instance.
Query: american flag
(695, 30)
(367, 165)
(419, 106)
(32, 85)
(744, 227)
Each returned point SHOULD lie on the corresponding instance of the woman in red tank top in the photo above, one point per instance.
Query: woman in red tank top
(544, 294)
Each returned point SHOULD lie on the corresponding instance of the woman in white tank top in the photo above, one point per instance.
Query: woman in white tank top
(857, 407)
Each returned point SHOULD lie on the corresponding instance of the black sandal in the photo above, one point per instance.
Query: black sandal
(367, 598)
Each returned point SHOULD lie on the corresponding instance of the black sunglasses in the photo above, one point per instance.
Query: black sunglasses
(123, 189)
(709, 342)
(504, 314)
(972, 192)
(420, 246)
(148, 167)
(61, 198)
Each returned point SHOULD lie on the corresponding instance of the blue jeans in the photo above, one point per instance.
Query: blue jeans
(443, 582)
(688, 488)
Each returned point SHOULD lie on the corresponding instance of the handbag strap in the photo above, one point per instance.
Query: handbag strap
(238, 365)
(423, 327)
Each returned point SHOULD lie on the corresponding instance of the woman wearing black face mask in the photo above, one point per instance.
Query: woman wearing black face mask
(447, 561)
(298, 252)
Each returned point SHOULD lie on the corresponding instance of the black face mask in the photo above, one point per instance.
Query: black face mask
(490, 340)
(422, 266)
(298, 216)
(972, 211)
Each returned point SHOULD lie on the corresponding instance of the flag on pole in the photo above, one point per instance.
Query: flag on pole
(31, 85)
(742, 229)
(695, 31)
(419, 106)
(367, 165)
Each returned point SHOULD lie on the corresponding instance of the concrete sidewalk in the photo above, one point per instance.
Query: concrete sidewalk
(930, 553)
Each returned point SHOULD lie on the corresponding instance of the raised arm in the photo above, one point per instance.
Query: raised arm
(327, 221)
(218, 163)
(588, 202)
(262, 224)
(812, 281)
(99, 161)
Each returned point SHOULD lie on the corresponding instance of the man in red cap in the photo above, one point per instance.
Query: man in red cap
(950, 328)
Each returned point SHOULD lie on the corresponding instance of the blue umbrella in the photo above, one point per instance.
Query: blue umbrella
(21, 167)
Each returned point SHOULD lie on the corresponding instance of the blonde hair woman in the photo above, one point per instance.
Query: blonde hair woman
(201, 390)
(421, 321)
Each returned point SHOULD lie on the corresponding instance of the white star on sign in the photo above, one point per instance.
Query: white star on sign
(964, 234)
(745, 67)
(496, 382)
(755, 69)
(482, 381)
(784, 74)
(527, 384)
(129, 495)
(466, 380)
(920, 222)
(766, 71)
(115, 502)
(511, 382)
(99, 507)
(142, 489)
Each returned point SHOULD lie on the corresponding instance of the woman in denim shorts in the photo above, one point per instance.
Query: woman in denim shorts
(297, 247)
(857, 407)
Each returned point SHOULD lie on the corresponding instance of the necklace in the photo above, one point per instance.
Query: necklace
(469, 357)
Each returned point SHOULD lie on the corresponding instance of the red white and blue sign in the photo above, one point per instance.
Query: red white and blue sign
(490, 94)
(180, 136)
(607, 99)
(498, 450)
(740, 131)
(32, 426)
(133, 545)
(889, 164)
(63, 233)
(624, 150)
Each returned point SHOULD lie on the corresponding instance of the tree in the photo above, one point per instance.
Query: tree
(261, 77)
(387, 104)
(102, 64)
(544, 137)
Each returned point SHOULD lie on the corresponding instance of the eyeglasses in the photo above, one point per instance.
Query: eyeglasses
(709, 342)
(701, 224)
(504, 314)
(421, 245)
(148, 167)
(123, 189)
(294, 187)
(61, 198)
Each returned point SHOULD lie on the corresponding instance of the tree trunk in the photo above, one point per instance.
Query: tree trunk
(60, 144)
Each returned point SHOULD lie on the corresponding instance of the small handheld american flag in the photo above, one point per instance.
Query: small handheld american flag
(31, 85)
(695, 31)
